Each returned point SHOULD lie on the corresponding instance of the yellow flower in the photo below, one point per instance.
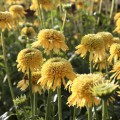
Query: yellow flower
(24, 83)
(51, 40)
(114, 52)
(45, 4)
(107, 37)
(117, 16)
(81, 94)
(116, 70)
(104, 90)
(29, 58)
(17, 11)
(54, 72)
(28, 31)
(118, 23)
(117, 29)
(94, 44)
(6, 20)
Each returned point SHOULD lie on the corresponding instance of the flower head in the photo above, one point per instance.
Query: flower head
(28, 31)
(54, 72)
(6, 20)
(51, 40)
(116, 70)
(20, 100)
(117, 16)
(17, 11)
(107, 37)
(114, 52)
(29, 58)
(94, 44)
(81, 94)
(104, 89)
(45, 4)
(24, 83)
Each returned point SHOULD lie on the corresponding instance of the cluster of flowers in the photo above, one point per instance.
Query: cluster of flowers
(84, 88)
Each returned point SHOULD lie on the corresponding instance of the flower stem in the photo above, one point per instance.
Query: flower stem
(59, 103)
(104, 109)
(74, 114)
(96, 115)
(35, 104)
(89, 109)
(63, 25)
(89, 113)
(48, 105)
(6, 67)
(100, 9)
(91, 67)
(31, 95)
(112, 8)
(7, 72)
(40, 14)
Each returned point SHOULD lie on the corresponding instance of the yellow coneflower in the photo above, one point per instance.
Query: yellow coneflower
(104, 90)
(81, 94)
(45, 4)
(54, 72)
(114, 52)
(6, 20)
(117, 29)
(17, 11)
(24, 83)
(51, 40)
(117, 16)
(107, 37)
(29, 58)
(94, 44)
(116, 70)
(28, 31)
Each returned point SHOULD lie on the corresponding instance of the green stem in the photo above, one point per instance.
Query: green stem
(52, 21)
(100, 9)
(47, 115)
(96, 115)
(40, 15)
(89, 109)
(92, 6)
(7, 72)
(112, 8)
(35, 104)
(91, 67)
(6, 67)
(43, 19)
(59, 104)
(107, 68)
(63, 25)
(104, 109)
(60, 7)
(31, 95)
(116, 5)
(74, 114)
